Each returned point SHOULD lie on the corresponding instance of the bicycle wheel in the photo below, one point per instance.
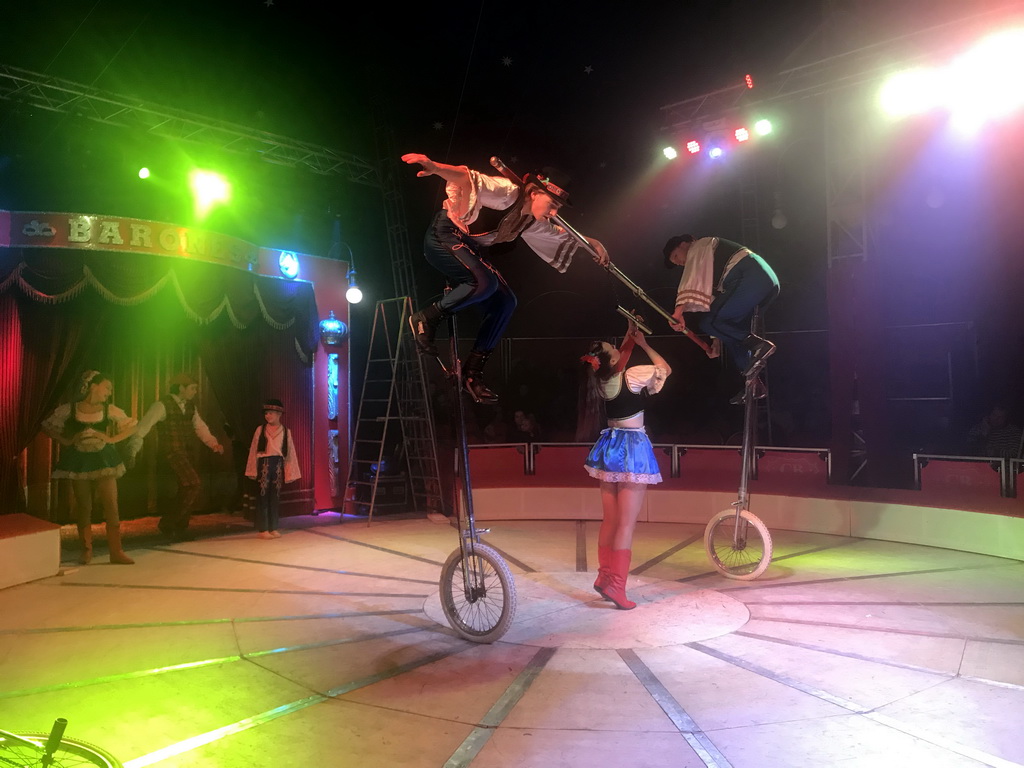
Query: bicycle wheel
(486, 614)
(71, 753)
(740, 550)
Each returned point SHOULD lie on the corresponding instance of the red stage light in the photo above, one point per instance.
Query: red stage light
(693, 147)
(742, 134)
(749, 81)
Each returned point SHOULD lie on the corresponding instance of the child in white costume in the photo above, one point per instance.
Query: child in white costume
(272, 463)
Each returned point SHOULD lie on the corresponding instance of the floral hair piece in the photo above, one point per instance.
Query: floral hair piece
(87, 378)
(591, 360)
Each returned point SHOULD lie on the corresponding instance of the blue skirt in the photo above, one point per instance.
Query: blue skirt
(80, 465)
(623, 456)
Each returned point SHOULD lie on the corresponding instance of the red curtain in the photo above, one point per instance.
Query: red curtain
(43, 351)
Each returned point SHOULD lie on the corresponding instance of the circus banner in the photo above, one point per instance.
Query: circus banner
(34, 229)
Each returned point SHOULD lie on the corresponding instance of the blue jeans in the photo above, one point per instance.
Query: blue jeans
(750, 284)
(472, 279)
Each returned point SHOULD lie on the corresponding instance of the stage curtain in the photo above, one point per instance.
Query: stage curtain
(53, 349)
(204, 292)
(244, 368)
(245, 323)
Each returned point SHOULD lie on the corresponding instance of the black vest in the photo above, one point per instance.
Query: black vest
(724, 251)
(626, 403)
(73, 426)
(506, 225)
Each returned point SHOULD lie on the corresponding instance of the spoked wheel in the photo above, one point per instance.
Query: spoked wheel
(70, 753)
(738, 547)
(485, 613)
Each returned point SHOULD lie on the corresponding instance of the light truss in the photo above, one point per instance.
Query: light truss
(66, 97)
(835, 73)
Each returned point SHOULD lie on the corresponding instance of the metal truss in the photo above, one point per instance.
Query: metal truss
(66, 97)
(402, 271)
(832, 74)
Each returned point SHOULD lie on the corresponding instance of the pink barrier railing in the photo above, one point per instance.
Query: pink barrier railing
(974, 483)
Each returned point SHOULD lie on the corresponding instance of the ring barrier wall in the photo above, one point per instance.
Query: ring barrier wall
(963, 503)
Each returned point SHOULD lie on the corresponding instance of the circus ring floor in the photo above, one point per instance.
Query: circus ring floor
(327, 647)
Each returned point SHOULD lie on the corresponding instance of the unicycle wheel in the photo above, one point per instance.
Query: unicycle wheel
(70, 753)
(483, 613)
(740, 547)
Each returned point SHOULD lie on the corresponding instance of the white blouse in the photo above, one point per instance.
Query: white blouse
(274, 446)
(651, 377)
(53, 425)
(549, 241)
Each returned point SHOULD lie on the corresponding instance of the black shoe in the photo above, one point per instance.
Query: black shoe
(760, 351)
(479, 391)
(424, 327)
(173, 533)
(473, 378)
(760, 393)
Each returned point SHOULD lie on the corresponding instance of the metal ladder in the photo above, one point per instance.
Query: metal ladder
(395, 424)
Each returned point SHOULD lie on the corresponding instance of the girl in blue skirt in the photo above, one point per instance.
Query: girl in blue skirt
(622, 458)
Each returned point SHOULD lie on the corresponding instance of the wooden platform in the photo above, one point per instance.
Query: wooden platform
(29, 549)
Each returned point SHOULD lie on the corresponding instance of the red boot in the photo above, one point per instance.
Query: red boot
(117, 554)
(604, 574)
(85, 537)
(616, 589)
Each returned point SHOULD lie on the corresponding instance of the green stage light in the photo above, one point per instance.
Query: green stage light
(208, 189)
(763, 127)
(143, 173)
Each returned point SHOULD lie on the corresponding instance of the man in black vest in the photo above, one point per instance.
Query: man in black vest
(725, 282)
(179, 429)
(481, 211)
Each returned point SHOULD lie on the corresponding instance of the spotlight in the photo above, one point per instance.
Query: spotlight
(670, 153)
(715, 152)
(910, 92)
(741, 134)
(143, 173)
(208, 189)
(984, 83)
(693, 147)
(763, 127)
(353, 295)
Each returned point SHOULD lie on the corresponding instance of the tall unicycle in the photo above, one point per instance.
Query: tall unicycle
(738, 544)
(478, 593)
